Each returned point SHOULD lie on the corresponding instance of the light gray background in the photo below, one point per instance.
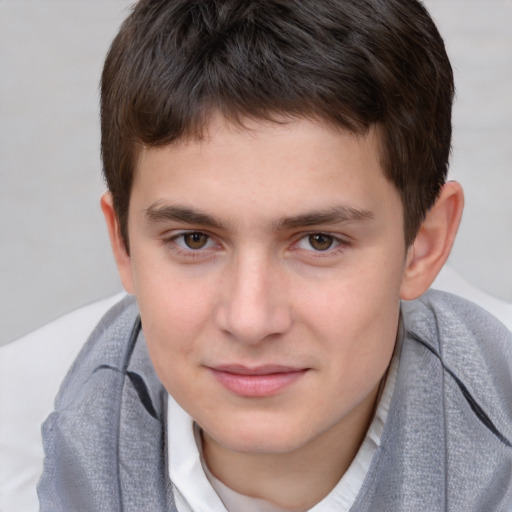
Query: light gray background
(54, 252)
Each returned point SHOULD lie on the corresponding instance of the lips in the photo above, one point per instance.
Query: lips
(257, 382)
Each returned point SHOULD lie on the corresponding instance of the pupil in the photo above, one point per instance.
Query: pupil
(320, 242)
(196, 240)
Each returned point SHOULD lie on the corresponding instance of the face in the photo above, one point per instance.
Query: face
(267, 263)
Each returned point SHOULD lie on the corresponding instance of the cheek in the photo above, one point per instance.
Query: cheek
(355, 302)
(169, 298)
(175, 314)
(174, 323)
(173, 319)
(376, 308)
(356, 318)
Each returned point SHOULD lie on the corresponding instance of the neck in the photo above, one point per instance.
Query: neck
(299, 479)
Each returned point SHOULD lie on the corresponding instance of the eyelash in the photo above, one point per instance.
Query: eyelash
(171, 241)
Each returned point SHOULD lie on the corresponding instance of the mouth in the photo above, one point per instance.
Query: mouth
(257, 382)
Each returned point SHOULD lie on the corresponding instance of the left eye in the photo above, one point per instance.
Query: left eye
(194, 240)
(318, 242)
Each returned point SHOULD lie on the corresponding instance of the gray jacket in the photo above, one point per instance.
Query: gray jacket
(446, 445)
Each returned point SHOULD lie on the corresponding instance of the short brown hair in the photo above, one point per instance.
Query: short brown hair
(352, 63)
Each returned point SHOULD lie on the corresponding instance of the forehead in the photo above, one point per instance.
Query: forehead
(292, 165)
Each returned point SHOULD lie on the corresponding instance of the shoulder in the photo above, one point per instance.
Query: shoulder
(451, 322)
(468, 339)
(108, 346)
(31, 371)
(448, 433)
(474, 349)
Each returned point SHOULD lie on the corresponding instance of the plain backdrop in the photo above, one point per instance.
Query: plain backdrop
(54, 252)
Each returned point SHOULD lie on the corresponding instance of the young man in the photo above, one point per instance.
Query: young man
(276, 174)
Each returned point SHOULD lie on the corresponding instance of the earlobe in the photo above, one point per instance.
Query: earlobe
(123, 260)
(433, 242)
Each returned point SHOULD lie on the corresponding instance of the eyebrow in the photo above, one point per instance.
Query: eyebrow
(158, 212)
(336, 215)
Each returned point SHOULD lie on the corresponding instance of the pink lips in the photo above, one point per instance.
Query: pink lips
(258, 382)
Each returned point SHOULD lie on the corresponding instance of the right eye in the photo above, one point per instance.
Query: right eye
(193, 241)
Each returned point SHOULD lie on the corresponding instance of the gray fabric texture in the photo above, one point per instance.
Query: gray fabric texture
(105, 447)
(446, 445)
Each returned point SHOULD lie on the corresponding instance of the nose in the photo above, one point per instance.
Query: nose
(254, 305)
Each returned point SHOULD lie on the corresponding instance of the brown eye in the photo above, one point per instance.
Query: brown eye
(320, 241)
(195, 240)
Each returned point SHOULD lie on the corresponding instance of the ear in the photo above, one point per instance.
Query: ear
(123, 260)
(433, 242)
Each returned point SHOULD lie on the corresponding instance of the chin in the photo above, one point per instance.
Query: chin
(261, 436)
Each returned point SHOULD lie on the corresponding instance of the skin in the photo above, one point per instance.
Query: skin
(275, 244)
